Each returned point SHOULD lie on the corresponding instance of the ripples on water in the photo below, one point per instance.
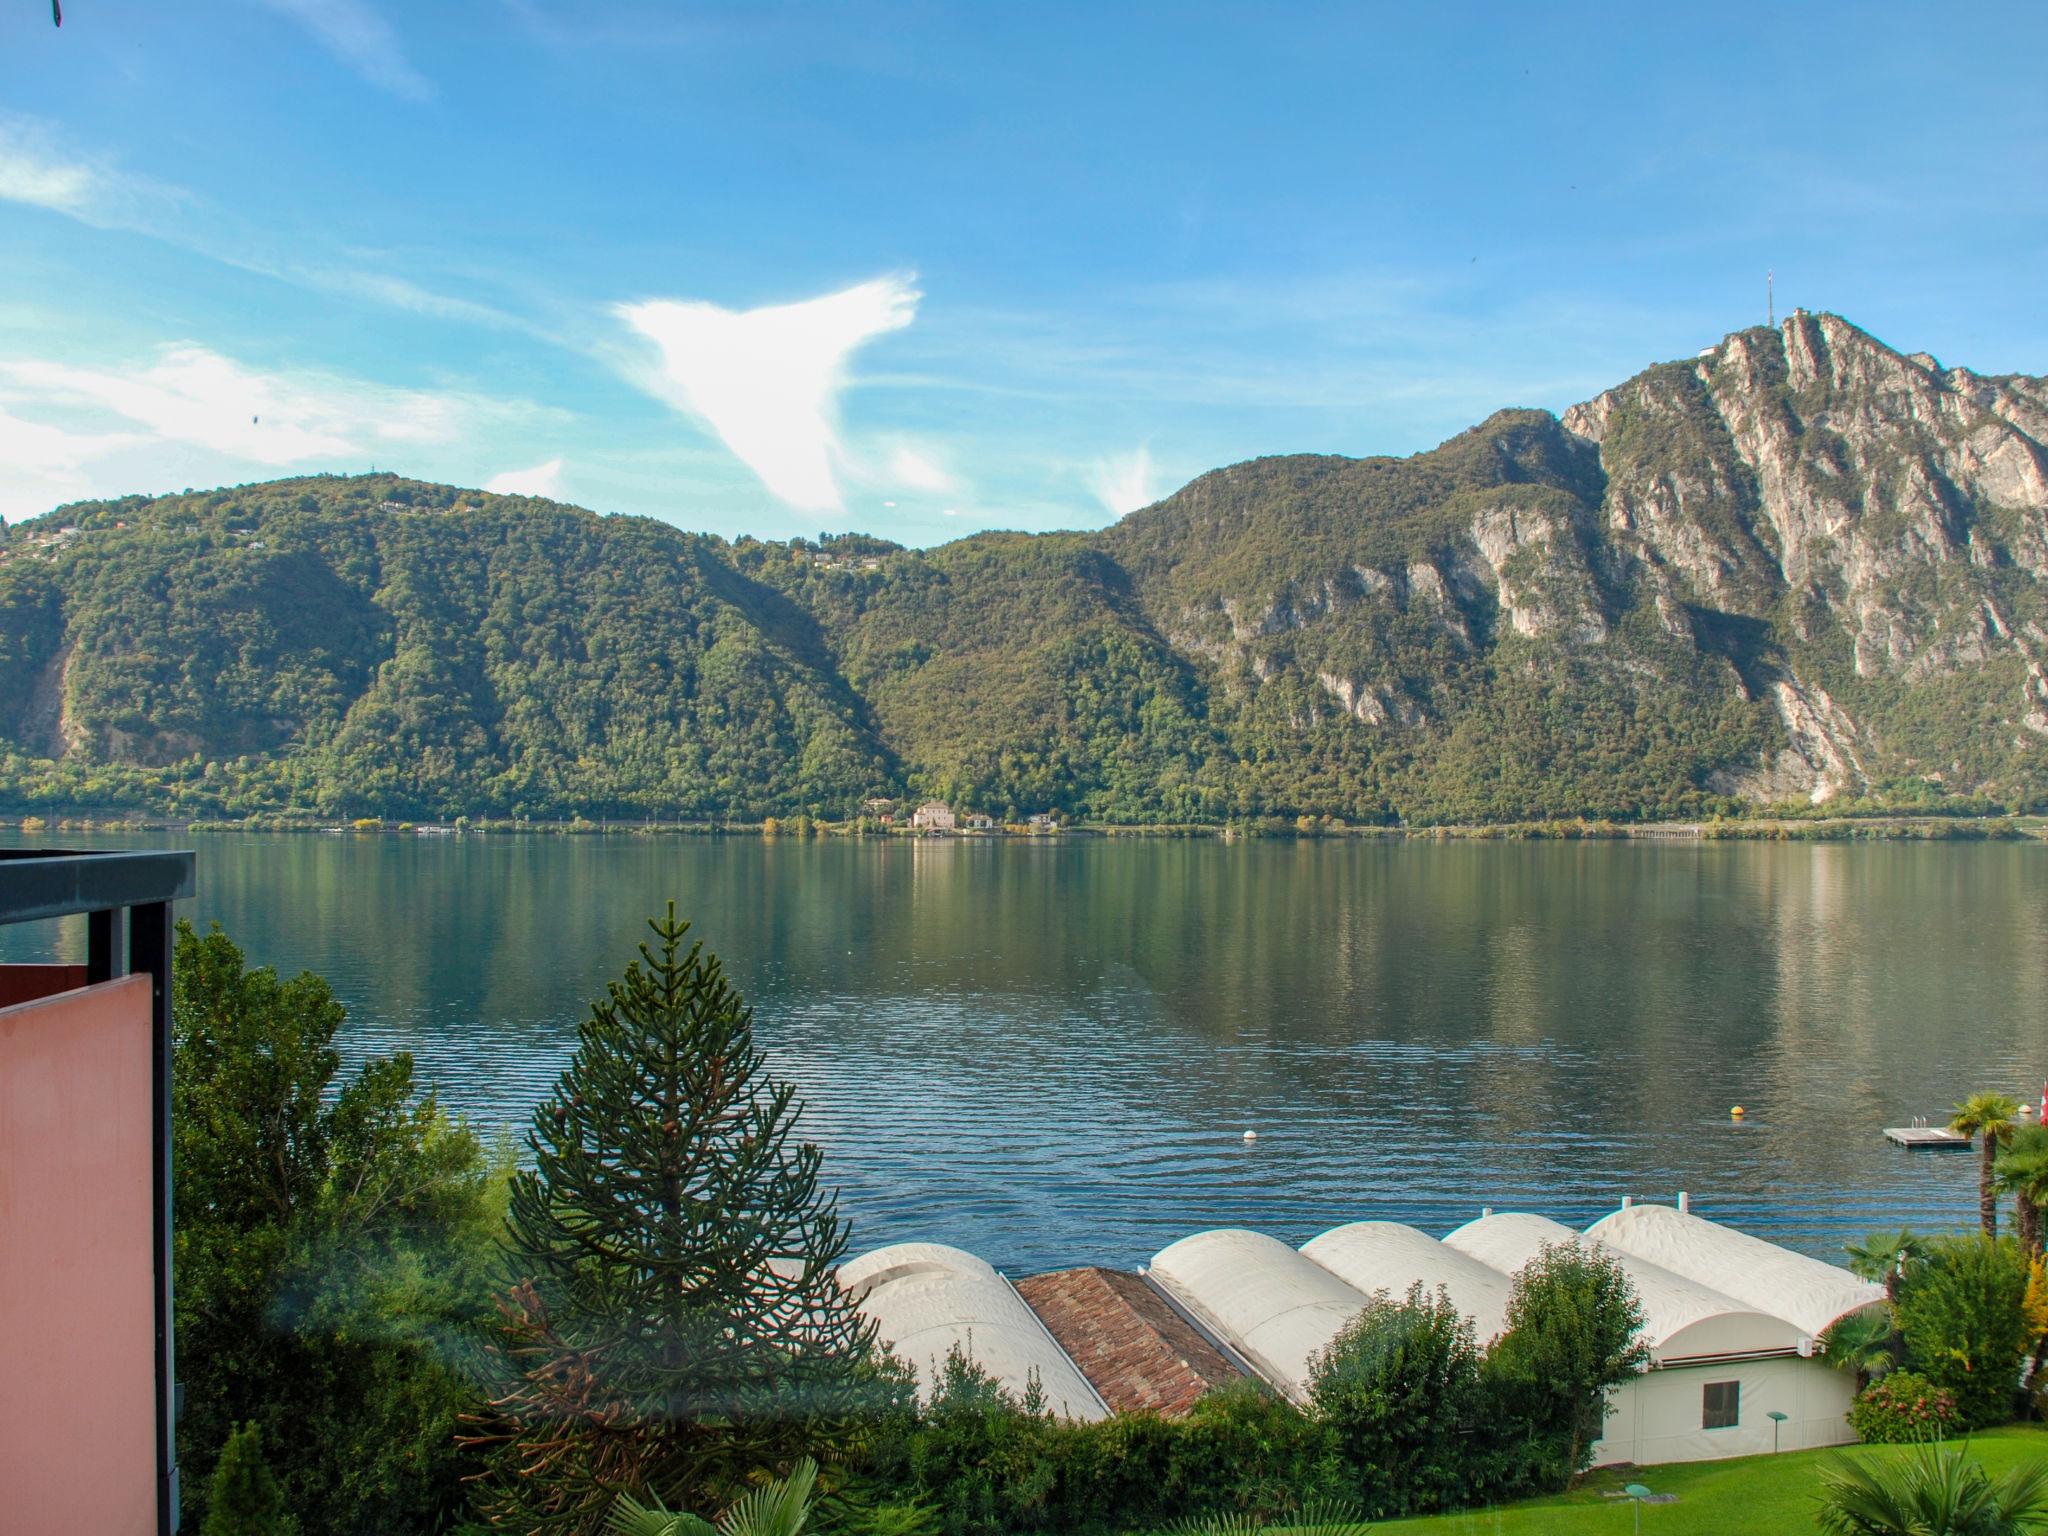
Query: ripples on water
(1050, 1053)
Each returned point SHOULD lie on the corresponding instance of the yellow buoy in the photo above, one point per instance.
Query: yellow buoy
(1735, 1113)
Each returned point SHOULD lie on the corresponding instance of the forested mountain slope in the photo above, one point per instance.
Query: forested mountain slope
(1800, 565)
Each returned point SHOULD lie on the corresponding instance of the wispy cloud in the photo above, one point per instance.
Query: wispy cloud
(768, 380)
(541, 480)
(915, 469)
(191, 394)
(1125, 482)
(40, 168)
(361, 38)
(69, 429)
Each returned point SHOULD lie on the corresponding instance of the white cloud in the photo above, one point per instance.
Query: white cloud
(362, 39)
(186, 413)
(541, 480)
(1125, 483)
(38, 168)
(190, 394)
(767, 381)
(916, 470)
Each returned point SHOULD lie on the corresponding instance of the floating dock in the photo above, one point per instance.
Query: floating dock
(1927, 1138)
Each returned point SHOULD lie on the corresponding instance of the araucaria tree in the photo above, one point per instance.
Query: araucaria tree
(677, 1325)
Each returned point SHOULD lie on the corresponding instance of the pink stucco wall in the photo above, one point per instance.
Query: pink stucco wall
(77, 1309)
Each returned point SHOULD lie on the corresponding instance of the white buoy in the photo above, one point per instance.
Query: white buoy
(1251, 1135)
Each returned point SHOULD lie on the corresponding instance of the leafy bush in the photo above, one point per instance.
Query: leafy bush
(988, 1462)
(1904, 1407)
(1571, 1339)
(1399, 1389)
(1963, 1318)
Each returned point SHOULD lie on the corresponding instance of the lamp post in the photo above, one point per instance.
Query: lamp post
(1776, 1418)
(1636, 1494)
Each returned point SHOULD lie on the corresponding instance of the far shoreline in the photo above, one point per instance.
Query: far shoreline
(1875, 827)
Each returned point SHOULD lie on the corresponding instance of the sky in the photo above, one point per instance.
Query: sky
(921, 270)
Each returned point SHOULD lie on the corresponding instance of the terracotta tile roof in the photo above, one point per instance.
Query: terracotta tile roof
(1136, 1350)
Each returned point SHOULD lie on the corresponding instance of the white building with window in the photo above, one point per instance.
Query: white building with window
(1732, 1322)
(934, 816)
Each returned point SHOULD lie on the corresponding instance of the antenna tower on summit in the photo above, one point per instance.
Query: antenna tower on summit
(1770, 299)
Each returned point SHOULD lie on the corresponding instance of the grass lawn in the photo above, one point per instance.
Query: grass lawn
(1750, 1496)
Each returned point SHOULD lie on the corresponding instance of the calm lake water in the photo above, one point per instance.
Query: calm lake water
(1049, 1053)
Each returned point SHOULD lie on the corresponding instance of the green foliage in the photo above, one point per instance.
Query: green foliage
(1399, 1389)
(1887, 1257)
(986, 1463)
(1902, 1409)
(1319, 1517)
(2021, 1170)
(1866, 1344)
(1572, 1336)
(676, 1325)
(332, 1247)
(244, 1499)
(1991, 1118)
(1934, 1492)
(1962, 1316)
(781, 1508)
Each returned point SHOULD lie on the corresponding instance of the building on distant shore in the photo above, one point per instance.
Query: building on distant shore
(978, 823)
(1042, 821)
(934, 816)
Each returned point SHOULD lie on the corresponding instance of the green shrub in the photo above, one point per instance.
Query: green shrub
(1962, 1316)
(987, 1462)
(244, 1498)
(1904, 1407)
(1571, 1339)
(1399, 1390)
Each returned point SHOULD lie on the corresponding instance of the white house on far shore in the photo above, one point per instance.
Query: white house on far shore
(934, 816)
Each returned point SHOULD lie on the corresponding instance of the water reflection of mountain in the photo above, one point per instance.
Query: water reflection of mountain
(1049, 1052)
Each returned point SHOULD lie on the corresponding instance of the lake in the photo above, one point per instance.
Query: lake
(1049, 1052)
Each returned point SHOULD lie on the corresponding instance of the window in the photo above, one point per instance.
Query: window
(1723, 1406)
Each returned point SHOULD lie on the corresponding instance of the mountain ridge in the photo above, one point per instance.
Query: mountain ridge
(1801, 565)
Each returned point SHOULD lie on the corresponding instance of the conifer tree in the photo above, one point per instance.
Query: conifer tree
(678, 1325)
(243, 1499)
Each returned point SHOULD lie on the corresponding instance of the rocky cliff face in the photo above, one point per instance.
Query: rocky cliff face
(1884, 517)
(1801, 519)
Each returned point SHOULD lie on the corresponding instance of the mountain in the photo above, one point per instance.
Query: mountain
(1798, 566)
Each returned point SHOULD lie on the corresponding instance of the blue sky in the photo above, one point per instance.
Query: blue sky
(924, 269)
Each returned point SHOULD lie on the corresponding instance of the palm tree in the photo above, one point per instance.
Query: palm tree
(1989, 1115)
(1865, 1343)
(778, 1509)
(1886, 1257)
(2022, 1170)
(1933, 1492)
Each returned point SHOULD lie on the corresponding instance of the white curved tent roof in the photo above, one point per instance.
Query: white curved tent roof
(1805, 1292)
(1271, 1305)
(1506, 1240)
(926, 1297)
(1374, 1256)
(1682, 1319)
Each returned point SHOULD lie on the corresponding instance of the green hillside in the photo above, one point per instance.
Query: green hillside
(1801, 566)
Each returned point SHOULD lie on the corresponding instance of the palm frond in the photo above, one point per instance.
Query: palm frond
(779, 1509)
(629, 1517)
